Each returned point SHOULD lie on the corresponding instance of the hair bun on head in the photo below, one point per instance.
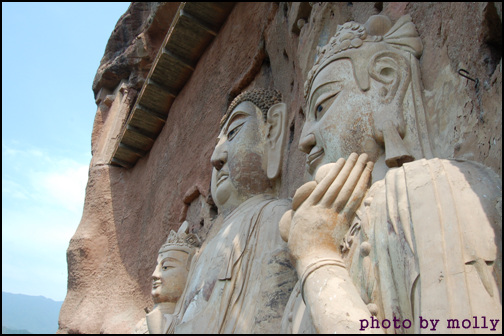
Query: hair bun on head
(378, 25)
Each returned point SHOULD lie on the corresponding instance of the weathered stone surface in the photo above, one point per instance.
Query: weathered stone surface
(133, 44)
(129, 213)
(426, 240)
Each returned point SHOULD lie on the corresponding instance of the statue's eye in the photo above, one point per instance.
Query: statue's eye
(231, 134)
(322, 107)
(319, 112)
(165, 268)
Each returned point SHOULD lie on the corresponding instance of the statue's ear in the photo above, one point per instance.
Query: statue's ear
(392, 71)
(276, 137)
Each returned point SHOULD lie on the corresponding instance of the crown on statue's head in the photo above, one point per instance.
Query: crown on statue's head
(181, 238)
(351, 37)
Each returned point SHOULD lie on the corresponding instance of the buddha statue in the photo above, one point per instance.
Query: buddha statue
(241, 278)
(386, 231)
(168, 281)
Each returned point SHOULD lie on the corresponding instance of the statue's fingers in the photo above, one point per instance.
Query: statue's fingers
(348, 212)
(359, 191)
(335, 187)
(321, 188)
(302, 194)
(348, 187)
(323, 171)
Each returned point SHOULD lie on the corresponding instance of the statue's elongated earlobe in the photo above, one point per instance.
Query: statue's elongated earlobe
(396, 153)
(277, 131)
(392, 71)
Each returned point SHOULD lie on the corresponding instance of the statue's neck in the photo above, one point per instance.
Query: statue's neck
(166, 307)
(227, 212)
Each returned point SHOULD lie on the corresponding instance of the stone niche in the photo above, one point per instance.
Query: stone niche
(129, 211)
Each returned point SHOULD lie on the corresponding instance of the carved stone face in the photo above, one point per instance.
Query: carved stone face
(338, 117)
(239, 158)
(170, 276)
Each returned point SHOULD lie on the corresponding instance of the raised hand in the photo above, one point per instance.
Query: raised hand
(323, 208)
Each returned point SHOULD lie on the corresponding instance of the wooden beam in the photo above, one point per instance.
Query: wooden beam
(162, 87)
(141, 132)
(153, 113)
(199, 23)
(121, 163)
(136, 151)
(184, 62)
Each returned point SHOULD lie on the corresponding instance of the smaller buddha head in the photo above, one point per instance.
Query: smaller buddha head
(173, 264)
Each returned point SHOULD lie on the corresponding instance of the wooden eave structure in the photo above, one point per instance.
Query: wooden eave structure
(191, 32)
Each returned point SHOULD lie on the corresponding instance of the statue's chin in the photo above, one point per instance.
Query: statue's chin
(155, 296)
(222, 196)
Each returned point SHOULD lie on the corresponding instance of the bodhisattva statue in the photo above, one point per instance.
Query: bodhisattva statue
(425, 242)
(168, 281)
(241, 278)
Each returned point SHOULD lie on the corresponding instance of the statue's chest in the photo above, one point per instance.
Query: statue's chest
(205, 280)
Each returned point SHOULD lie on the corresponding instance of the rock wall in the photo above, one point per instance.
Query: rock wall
(129, 213)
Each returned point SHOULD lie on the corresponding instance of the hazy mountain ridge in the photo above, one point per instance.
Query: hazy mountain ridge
(6, 331)
(36, 314)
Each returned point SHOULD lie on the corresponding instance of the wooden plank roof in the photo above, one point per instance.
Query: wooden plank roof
(191, 32)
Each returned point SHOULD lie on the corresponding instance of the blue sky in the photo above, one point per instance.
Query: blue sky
(50, 54)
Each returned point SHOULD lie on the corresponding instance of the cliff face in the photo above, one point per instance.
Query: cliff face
(128, 213)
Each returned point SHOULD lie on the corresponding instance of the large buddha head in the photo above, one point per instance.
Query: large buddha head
(247, 157)
(363, 95)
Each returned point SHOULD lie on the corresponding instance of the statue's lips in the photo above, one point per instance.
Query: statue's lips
(156, 284)
(314, 157)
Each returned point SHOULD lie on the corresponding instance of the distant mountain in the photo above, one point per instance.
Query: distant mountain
(35, 314)
(6, 331)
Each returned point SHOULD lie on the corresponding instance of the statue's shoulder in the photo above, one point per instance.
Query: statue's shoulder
(470, 171)
(277, 206)
(282, 203)
(473, 190)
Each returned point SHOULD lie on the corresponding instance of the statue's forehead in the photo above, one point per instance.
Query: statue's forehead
(173, 254)
(337, 71)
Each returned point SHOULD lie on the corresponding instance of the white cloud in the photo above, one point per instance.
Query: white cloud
(42, 202)
(31, 173)
(65, 185)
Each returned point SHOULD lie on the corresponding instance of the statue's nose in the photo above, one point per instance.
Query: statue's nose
(219, 157)
(307, 142)
(157, 274)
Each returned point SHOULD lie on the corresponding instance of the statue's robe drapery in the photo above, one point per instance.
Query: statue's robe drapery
(435, 228)
(241, 280)
(426, 241)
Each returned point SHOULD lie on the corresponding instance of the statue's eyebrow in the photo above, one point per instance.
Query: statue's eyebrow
(171, 259)
(236, 114)
(318, 91)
